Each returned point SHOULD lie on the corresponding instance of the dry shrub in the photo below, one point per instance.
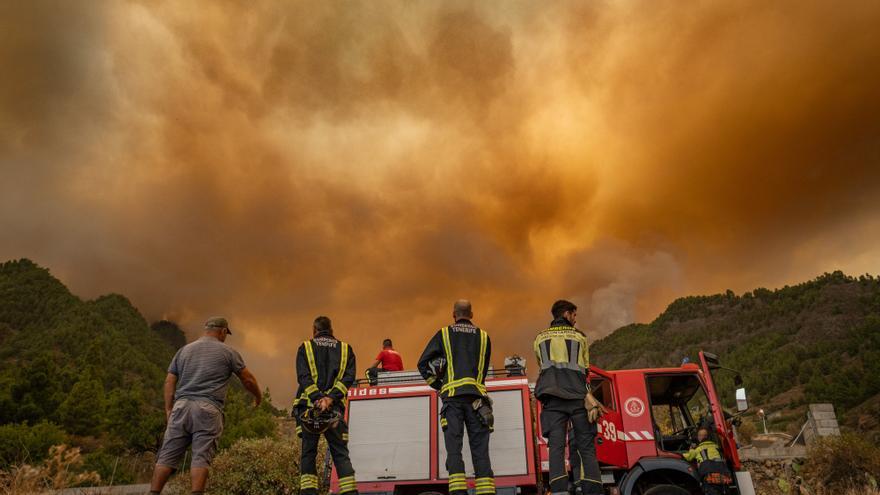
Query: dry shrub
(253, 466)
(746, 431)
(841, 463)
(867, 490)
(55, 473)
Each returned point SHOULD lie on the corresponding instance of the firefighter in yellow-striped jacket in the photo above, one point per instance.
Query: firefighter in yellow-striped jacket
(325, 369)
(455, 362)
(564, 359)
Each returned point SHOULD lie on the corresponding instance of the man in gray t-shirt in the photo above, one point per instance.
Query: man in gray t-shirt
(195, 390)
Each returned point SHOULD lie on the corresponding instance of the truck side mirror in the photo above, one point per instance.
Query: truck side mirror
(741, 402)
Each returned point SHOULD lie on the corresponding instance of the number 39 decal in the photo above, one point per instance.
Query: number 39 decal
(609, 430)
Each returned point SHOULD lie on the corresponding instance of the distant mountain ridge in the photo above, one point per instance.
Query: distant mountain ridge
(91, 367)
(90, 374)
(818, 341)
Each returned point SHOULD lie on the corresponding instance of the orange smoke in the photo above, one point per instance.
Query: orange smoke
(376, 161)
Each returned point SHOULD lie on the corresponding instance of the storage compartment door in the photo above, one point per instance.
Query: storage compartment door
(389, 438)
(507, 444)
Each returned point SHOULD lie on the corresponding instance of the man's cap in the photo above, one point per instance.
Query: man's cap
(218, 322)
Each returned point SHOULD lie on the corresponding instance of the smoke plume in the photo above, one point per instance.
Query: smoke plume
(375, 161)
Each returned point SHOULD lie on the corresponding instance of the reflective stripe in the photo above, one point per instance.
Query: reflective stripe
(310, 356)
(304, 399)
(341, 387)
(545, 354)
(564, 365)
(450, 370)
(482, 357)
(308, 481)
(485, 485)
(343, 361)
(450, 387)
(581, 474)
(347, 484)
(575, 353)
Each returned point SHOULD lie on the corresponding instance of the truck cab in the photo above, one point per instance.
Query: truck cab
(651, 421)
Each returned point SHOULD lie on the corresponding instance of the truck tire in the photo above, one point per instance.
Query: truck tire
(666, 490)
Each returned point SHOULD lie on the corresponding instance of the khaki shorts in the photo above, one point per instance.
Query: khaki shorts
(195, 422)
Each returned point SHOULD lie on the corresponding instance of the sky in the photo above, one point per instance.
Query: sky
(374, 161)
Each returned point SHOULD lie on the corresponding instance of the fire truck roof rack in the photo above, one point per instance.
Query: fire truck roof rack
(413, 376)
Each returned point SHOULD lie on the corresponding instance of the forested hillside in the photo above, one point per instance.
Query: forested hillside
(86, 373)
(814, 342)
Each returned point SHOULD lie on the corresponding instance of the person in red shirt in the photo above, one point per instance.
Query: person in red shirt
(388, 358)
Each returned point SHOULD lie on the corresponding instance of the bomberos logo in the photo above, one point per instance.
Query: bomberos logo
(634, 407)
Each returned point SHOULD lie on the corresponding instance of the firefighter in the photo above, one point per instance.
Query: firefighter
(713, 473)
(455, 362)
(325, 369)
(563, 359)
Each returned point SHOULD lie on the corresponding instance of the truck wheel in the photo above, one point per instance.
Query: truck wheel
(666, 490)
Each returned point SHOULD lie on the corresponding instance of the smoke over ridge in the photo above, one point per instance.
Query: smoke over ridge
(375, 161)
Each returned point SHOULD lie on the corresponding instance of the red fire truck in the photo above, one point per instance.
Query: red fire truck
(397, 447)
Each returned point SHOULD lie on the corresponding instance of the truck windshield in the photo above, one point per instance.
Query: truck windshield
(678, 404)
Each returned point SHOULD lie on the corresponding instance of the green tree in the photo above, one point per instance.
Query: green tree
(82, 411)
(131, 421)
(243, 420)
(37, 390)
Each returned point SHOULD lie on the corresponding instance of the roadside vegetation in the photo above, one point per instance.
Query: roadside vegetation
(89, 374)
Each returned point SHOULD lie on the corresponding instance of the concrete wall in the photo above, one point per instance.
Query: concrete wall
(821, 422)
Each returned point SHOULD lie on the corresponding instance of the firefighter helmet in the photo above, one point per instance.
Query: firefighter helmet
(316, 421)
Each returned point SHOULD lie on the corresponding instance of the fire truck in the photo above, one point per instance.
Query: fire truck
(651, 417)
